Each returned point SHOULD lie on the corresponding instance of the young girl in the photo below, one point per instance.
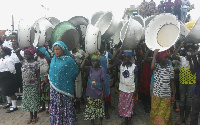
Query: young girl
(7, 81)
(187, 80)
(31, 84)
(127, 88)
(95, 90)
(43, 59)
(161, 107)
(196, 95)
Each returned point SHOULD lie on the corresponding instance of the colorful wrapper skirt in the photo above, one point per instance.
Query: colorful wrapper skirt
(94, 109)
(45, 89)
(31, 98)
(126, 103)
(61, 109)
(161, 111)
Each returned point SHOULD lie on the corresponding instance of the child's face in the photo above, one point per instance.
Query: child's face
(28, 55)
(127, 58)
(58, 51)
(1, 53)
(95, 63)
(39, 53)
(190, 50)
(164, 60)
(14, 45)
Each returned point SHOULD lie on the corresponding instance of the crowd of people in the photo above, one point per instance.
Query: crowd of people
(54, 76)
(179, 8)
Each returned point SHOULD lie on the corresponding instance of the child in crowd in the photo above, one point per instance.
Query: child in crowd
(31, 83)
(146, 81)
(95, 89)
(187, 80)
(196, 96)
(161, 107)
(127, 88)
(79, 56)
(7, 81)
(43, 59)
(18, 65)
(104, 61)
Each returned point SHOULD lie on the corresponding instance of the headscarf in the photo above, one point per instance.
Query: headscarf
(63, 71)
(128, 52)
(31, 50)
(43, 50)
(163, 54)
(96, 56)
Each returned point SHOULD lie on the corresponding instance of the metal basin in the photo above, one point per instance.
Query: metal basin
(24, 29)
(66, 32)
(131, 34)
(92, 39)
(193, 35)
(162, 32)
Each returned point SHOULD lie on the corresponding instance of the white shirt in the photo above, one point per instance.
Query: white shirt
(7, 64)
(44, 66)
(184, 62)
(14, 56)
(127, 84)
(78, 55)
(185, 4)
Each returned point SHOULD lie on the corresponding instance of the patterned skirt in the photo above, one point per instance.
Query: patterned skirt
(61, 109)
(94, 109)
(31, 98)
(161, 111)
(126, 103)
(45, 89)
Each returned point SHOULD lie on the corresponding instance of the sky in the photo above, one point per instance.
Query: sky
(31, 10)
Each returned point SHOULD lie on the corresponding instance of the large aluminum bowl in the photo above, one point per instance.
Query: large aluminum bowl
(66, 32)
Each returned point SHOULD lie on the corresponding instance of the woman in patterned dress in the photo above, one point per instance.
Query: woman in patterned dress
(31, 83)
(161, 107)
(127, 87)
(95, 89)
(62, 73)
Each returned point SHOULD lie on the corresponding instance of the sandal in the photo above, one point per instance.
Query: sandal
(41, 110)
(34, 120)
(47, 111)
(179, 122)
(29, 121)
(187, 122)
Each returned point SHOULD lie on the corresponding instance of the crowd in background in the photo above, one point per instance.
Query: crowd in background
(179, 8)
(62, 79)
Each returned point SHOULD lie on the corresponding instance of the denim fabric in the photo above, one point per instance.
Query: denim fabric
(195, 110)
(177, 12)
(183, 14)
(186, 93)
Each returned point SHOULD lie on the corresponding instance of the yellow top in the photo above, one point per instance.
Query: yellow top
(186, 76)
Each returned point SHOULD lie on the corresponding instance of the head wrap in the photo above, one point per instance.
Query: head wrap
(43, 50)
(128, 52)
(163, 54)
(96, 56)
(31, 50)
(63, 71)
(62, 46)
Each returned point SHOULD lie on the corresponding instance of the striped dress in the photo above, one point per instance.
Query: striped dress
(161, 108)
